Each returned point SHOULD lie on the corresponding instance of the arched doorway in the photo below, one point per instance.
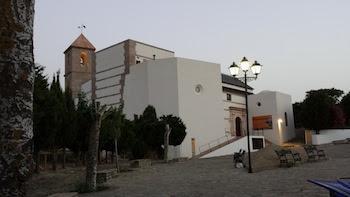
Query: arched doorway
(238, 126)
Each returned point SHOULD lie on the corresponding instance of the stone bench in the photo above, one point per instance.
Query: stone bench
(105, 175)
(340, 141)
(140, 163)
(69, 194)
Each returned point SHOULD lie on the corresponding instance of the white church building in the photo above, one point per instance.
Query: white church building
(135, 74)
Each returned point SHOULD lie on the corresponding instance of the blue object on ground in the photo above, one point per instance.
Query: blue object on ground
(338, 188)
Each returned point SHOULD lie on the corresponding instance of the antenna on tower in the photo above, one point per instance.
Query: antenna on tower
(81, 27)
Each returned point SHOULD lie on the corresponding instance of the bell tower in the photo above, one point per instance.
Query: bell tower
(80, 64)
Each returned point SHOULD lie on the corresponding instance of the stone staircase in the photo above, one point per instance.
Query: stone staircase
(219, 143)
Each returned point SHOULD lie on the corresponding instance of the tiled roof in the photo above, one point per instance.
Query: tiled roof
(82, 42)
(233, 81)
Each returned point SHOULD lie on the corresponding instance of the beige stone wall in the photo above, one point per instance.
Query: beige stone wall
(75, 73)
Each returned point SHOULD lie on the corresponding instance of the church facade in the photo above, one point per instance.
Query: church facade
(136, 74)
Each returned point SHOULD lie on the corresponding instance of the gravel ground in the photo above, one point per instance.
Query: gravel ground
(217, 177)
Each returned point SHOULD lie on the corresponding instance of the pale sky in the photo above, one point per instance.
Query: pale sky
(301, 44)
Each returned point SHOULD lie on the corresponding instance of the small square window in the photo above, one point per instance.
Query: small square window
(228, 97)
(138, 61)
(286, 118)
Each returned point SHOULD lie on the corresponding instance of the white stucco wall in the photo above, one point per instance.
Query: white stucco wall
(169, 85)
(275, 104)
(202, 112)
(234, 147)
(329, 135)
(136, 91)
(284, 105)
(147, 51)
(110, 57)
(163, 86)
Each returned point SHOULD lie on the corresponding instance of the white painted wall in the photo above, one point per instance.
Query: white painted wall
(169, 85)
(275, 104)
(110, 73)
(234, 147)
(329, 135)
(147, 51)
(163, 85)
(108, 91)
(110, 57)
(109, 100)
(108, 82)
(136, 91)
(284, 105)
(202, 112)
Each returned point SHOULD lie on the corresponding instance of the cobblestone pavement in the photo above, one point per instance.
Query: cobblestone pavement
(217, 177)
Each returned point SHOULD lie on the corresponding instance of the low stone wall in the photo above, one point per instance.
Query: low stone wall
(330, 135)
(174, 152)
(140, 163)
(105, 175)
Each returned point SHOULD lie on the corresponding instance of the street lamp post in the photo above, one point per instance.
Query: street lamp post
(245, 66)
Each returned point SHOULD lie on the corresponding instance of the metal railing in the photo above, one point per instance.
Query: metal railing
(214, 143)
(257, 132)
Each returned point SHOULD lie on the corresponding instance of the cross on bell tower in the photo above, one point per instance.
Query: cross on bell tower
(81, 27)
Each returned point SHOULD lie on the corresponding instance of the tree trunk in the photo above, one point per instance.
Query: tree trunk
(166, 142)
(106, 156)
(37, 162)
(54, 159)
(16, 95)
(91, 166)
(116, 154)
(64, 158)
(99, 155)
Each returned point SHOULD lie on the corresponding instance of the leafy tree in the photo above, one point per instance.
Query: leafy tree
(297, 110)
(111, 128)
(56, 115)
(332, 93)
(69, 124)
(316, 108)
(149, 131)
(40, 119)
(83, 125)
(178, 129)
(337, 116)
(345, 102)
(127, 138)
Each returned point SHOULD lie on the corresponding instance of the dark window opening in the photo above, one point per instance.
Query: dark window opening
(138, 61)
(228, 97)
(286, 118)
(258, 143)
